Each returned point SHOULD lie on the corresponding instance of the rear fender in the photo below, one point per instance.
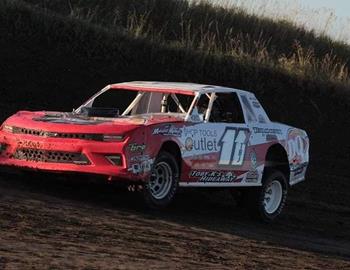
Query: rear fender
(297, 147)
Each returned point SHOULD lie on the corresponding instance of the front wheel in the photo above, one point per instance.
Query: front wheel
(162, 185)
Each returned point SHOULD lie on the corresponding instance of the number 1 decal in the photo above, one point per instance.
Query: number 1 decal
(233, 147)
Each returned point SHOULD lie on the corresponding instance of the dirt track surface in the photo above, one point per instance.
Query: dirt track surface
(59, 224)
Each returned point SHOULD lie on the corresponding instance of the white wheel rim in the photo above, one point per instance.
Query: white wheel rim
(273, 196)
(160, 181)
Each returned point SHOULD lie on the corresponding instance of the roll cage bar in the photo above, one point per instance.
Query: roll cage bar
(188, 115)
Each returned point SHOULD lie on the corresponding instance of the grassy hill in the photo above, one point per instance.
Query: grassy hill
(53, 56)
(216, 30)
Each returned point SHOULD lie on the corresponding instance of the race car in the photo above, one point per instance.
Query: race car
(162, 136)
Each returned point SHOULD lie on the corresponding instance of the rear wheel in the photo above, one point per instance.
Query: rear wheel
(162, 185)
(267, 202)
(273, 194)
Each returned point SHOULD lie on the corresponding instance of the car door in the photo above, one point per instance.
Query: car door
(219, 145)
(261, 136)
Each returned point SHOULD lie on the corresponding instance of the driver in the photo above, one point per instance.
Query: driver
(202, 106)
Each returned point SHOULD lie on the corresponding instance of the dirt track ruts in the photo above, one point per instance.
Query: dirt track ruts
(58, 224)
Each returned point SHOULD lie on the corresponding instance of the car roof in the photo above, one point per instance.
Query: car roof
(173, 87)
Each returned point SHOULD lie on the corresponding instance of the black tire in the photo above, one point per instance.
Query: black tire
(259, 205)
(156, 199)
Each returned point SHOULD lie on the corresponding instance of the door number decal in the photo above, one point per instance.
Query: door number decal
(233, 147)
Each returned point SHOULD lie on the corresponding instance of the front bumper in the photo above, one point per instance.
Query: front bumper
(63, 155)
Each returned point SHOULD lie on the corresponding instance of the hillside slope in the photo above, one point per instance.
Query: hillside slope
(215, 30)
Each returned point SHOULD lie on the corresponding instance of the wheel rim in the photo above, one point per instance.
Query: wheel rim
(161, 180)
(273, 196)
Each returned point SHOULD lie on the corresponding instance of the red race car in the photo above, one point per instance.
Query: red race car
(164, 135)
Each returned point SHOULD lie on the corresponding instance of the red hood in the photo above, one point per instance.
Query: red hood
(72, 123)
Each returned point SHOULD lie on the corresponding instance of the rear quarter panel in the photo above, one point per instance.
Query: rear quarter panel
(297, 146)
(294, 141)
(266, 133)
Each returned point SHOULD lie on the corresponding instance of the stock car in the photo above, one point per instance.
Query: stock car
(162, 136)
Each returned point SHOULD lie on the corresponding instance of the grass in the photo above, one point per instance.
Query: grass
(323, 21)
(216, 30)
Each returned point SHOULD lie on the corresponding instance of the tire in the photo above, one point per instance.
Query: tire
(159, 191)
(267, 202)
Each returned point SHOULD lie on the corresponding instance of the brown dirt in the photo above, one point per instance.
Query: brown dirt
(64, 224)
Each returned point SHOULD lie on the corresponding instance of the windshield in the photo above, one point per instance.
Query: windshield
(115, 103)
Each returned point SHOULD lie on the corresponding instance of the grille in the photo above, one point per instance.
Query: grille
(50, 156)
(41, 133)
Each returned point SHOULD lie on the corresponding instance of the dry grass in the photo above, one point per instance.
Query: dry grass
(322, 20)
(212, 29)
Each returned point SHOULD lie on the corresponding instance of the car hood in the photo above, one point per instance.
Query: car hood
(74, 123)
(71, 123)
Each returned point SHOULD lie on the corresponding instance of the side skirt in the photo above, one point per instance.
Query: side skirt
(196, 184)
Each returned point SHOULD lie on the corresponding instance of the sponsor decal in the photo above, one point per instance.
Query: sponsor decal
(142, 166)
(193, 132)
(202, 144)
(253, 160)
(248, 109)
(297, 148)
(29, 144)
(271, 137)
(233, 146)
(213, 176)
(168, 130)
(189, 144)
(261, 119)
(195, 115)
(134, 147)
(252, 176)
(267, 131)
(256, 104)
(196, 118)
(140, 158)
(298, 169)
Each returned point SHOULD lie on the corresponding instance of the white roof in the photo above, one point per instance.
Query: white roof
(175, 86)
